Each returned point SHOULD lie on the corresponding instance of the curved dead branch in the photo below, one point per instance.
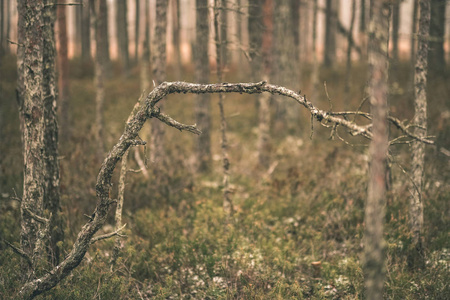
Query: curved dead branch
(138, 117)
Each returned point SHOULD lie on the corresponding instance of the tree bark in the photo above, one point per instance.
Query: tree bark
(85, 31)
(420, 120)
(223, 25)
(349, 50)
(256, 30)
(436, 58)
(51, 188)
(99, 63)
(374, 245)
(158, 58)
(330, 33)
(136, 31)
(414, 32)
(63, 72)
(122, 35)
(176, 38)
(203, 101)
(103, 31)
(395, 29)
(30, 66)
(2, 29)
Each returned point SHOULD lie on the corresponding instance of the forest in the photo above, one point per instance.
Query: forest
(224, 149)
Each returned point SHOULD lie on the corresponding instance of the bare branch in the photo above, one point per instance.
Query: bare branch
(37, 218)
(20, 252)
(109, 235)
(173, 123)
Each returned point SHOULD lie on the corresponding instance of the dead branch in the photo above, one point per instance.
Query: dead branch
(129, 137)
(20, 252)
(109, 235)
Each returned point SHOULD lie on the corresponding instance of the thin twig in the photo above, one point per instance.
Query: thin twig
(20, 252)
(109, 235)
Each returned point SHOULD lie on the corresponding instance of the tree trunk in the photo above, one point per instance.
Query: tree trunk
(414, 32)
(223, 25)
(103, 31)
(420, 129)
(99, 80)
(63, 72)
(85, 31)
(203, 102)
(285, 63)
(51, 188)
(240, 42)
(176, 38)
(436, 59)
(349, 50)
(330, 33)
(122, 35)
(136, 31)
(145, 57)
(395, 29)
(158, 58)
(374, 245)
(315, 70)
(77, 21)
(256, 30)
(362, 30)
(2, 29)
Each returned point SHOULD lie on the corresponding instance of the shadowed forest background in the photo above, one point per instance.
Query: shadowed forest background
(293, 224)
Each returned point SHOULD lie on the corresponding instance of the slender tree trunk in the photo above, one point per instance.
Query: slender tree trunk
(176, 38)
(362, 30)
(203, 101)
(145, 57)
(158, 57)
(85, 31)
(122, 35)
(436, 59)
(99, 80)
(223, 25)
(295, 15)
(220, 36)
(420, 120)
(374, 245)
(136, 31)
(256, 31)
(349, 50)
(240, 41)
(2, 29)
(285, 63)
(395, 29)
(103, 31)
(315, 71)
(63, 72)
(414, 32)
(8, 24)
(77, 28)
(330, 33)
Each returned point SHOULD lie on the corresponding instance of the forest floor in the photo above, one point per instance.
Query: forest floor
(298, 227)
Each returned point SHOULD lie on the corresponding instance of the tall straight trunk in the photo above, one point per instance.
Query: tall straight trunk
(136, 30)
(32, 113)
(2, 29)
(203, 101)
(145, 57)
(122, 35)
(63, 72)
(420, 120)
(158, 58)
(256, 31)
(103, 31)
(374, 245)
(8, 24)
(330, 33)
(85, 31)
(176, 38)
(436, 59)
(414, 32)
(285, 63)
(223, 25)
(99, 80)
(362, 30)
(51, 187)
(240, 41)
(349, 49)
(295, 15)
(315, 71)
(395, 30)
(77, 23)
(219, 38)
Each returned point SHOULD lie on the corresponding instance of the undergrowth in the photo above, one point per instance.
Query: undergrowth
(297, 231)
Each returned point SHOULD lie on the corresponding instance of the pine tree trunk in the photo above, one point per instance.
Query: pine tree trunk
(85, 31)
(223, 25)
(103, 31)
(158, 58)
(99, 63)
(436, 59)
(176, 38)
(330, 33)
(420, 120)
(362, 30)
(414, 32)
(32, 113)
(2, 29)
(136, 31)
(122, 35)
(203, 101)
(256, 31)
(51, 188)
(395, 29)
(349, 50)
(63, 72)
(374, 245)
